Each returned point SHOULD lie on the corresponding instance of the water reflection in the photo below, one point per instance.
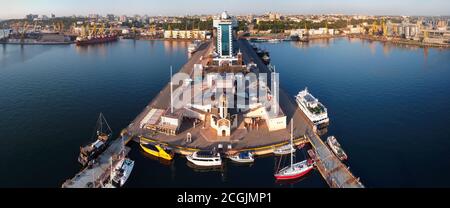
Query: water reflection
(222, 170)
(158, 159)
(321, 43)
(372, 45)
(175, 45)
(97, 49)
(19, 53)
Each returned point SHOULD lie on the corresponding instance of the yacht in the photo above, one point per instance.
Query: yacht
(242, 157)
(336, 148)
(313, 109)
(294, 170)
(158, 150)
(205, 159)
(120, 173)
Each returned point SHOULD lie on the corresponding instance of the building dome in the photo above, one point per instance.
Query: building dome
(224, 15)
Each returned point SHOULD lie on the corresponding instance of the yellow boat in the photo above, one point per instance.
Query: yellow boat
(157, 151)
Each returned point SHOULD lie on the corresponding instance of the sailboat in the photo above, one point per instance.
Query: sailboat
(103, 134)
(294, 170)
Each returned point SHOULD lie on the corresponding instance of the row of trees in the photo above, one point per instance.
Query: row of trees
(188, 24)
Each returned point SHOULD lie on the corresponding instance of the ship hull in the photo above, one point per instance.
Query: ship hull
(96, 41)
(294, 176)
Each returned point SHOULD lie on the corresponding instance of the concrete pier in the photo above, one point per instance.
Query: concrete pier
(260, 139)
(335, 173)
(98, 174)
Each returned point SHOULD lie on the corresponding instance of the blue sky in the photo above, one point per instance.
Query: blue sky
(18, 8)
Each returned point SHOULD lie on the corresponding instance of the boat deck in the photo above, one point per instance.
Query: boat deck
(95, 176)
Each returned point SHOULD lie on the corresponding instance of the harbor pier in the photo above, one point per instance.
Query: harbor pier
(211, 128)
(97, 174)
(335, 173)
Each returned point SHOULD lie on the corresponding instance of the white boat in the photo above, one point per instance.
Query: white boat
(336, 148)
(122, 172)
(294, 170)
(274, 40)
(242, 157)
(205, 159)
(313, 109)
(284, 150)
(193, 47)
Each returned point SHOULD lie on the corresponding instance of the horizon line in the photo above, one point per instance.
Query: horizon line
(234, 14)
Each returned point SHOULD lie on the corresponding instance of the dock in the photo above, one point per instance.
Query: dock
(96, 175)
(335, 173)
(257, 139)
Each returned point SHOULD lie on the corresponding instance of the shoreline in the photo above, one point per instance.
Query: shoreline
(363, 37)
(400, 42)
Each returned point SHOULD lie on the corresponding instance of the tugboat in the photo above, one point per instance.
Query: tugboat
(294, 170)
(205, 159)
(102, 134)
(336, 148)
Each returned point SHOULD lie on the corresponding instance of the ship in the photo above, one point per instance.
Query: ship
(205, 159)
(102, 136)
(313, 109)
(89, 40)
(336, 148)
(95, 35)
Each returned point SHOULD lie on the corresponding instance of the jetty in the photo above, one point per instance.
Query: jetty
(335, 173)
(97, 174)
(185, 133)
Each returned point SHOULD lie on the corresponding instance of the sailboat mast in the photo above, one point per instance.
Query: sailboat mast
(292, 143)
(123, 147)
(110, 173)
(101, 122)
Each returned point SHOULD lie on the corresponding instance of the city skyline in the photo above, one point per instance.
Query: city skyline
(20, 8)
